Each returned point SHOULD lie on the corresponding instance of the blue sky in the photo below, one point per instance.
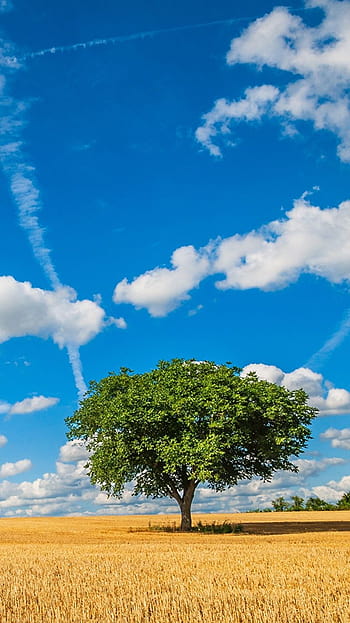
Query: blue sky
(175, 185)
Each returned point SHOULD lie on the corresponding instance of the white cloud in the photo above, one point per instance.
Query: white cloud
(68, 491)
(311, 467)
(276, 255)
(265, 372)
(73, 451)
(120, 323)
(340, 438)
(4, 406)
(81, 317)
(329, 400)
(12, 469)
(338, 336)
(3, 441)
(258, 494)
(29, 405)
(196, 310)
(253, 106)
(303, 241)
(77, 368)
(26, 310)
(333, 490)
(162, 289)
(316, 57)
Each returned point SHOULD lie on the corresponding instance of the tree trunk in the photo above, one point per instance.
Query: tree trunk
(185, 507)
(186, 518)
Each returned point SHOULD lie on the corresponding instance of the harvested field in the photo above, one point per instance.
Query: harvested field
(285, 568)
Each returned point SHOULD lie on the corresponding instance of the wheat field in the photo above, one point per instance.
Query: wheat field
(285, 567)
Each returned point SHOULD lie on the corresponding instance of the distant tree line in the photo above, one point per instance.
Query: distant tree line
(297, 503)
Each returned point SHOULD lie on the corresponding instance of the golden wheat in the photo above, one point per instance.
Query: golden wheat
(77, 570)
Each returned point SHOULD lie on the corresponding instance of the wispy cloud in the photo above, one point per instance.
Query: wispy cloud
(145, 34)
(332, 343)
(77, 369)
(27, 198)
(136, 36)
(26, 195)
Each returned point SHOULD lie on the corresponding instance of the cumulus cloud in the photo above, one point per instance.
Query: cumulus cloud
(328, 400)
(339, 438)
(65, 491)
(333, 490)
(4, 406)
(279, 252)
(317, 60)
(162, 289)
(311, 467)
(29, 405)
(258, 494)
(68, 491)
(267, 258)
(120, 323)
(12, 469)
(73, 451)
(58, 314)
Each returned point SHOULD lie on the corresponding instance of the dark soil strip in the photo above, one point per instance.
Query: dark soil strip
(293, 527)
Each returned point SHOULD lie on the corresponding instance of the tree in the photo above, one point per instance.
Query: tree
(344, 502)
(298, 503)
(280, 505)
(186, 423)
(316, 504)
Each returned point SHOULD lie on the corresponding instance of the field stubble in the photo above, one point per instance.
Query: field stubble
(75, 570)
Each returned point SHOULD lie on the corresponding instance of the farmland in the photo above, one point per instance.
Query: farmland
(284, 568)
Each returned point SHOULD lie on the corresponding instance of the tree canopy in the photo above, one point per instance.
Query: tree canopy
(313, 503)
(186, 423)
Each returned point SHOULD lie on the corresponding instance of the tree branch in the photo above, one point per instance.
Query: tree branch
(174, 493)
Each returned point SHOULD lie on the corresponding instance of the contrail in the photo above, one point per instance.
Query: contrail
(26, 195)
(77, 369)
(27, 198)
(332, 343)
(145, 34)
(21, 175)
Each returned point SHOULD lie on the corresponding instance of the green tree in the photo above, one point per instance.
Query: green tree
(344, 502)
(298, 503)
(280, 505)
(316, 504)
(186, 423)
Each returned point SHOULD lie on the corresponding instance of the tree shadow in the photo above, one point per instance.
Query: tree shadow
(295, 527)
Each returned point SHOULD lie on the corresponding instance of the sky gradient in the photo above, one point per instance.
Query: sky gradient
(174, 183)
